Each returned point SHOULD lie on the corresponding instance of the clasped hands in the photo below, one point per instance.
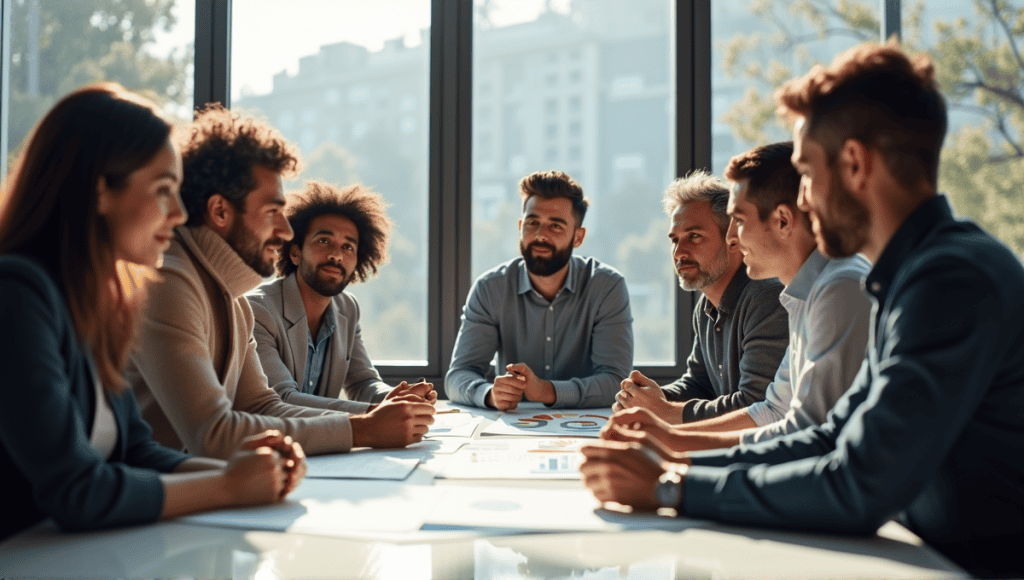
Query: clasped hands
(517, 383)
(265, 468)
(403, 417)
(633, 452)
(639, 391)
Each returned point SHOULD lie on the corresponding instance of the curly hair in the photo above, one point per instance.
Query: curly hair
(219, 150)
(699, 185)
(770, 175)
(552, 184)
(880, 96)
(365, 208)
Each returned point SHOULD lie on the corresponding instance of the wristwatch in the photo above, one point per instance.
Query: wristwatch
(669, 491)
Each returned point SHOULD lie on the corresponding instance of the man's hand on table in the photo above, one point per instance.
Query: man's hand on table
(396, 422)
(621, 472)
(639, 391)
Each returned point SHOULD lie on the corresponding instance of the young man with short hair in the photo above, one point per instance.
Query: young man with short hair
(828, 313)
(195, 371)
(560, 324)
(930, 432)
(739, 327)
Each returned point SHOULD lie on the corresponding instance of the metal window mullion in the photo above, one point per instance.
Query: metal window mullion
(212, 73)
(891, 11)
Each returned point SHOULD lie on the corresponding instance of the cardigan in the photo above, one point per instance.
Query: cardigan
(196, 373)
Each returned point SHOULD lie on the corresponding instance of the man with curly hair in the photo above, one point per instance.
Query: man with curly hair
(307, 327)
(930, 432)
(195, 371)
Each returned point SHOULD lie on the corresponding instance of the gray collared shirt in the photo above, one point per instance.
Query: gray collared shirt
(737, 349)
(582, 341)
(316, 353)
(828, 335)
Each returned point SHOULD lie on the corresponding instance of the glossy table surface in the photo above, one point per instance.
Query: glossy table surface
(694, 549)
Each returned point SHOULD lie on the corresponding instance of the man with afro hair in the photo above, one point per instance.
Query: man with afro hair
(195, 371)
(307, 327)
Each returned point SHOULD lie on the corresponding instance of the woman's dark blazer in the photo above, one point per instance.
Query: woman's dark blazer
(47, 405)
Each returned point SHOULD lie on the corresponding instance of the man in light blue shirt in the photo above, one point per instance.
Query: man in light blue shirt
(828, 312)
(560, 324)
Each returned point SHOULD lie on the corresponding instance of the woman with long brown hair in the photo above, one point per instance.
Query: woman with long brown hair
(87, 212)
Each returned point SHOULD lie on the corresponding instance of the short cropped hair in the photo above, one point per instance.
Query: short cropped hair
(219, 151)
(880, 96)
(699, 185)
(552, 184)
(771, 178)
(364, 207)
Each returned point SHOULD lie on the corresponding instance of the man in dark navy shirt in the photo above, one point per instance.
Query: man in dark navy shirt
(932, 430)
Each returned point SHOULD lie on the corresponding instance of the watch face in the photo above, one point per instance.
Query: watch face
(667, 493)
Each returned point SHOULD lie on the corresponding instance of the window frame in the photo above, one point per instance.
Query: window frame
(450, 139)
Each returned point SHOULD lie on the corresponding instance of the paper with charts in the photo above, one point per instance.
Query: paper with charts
(550, 423)
(516, 459)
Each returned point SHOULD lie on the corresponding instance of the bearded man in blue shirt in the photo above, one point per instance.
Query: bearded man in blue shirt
(930, 431)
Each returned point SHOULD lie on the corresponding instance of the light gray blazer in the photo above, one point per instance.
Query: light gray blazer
(281, 334)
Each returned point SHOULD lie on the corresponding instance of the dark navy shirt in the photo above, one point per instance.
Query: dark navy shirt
(932, 430)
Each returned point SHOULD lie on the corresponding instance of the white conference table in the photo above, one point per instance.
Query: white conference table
(690, 549)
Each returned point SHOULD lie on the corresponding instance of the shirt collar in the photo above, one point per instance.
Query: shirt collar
(800, 286)
(327, 326)
(570, 279)
(906, 239)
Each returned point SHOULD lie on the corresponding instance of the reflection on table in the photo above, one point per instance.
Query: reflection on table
(514, 543)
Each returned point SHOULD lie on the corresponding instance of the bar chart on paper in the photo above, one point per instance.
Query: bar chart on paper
(516, 459)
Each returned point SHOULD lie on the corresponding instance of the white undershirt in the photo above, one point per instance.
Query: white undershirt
(104, 427)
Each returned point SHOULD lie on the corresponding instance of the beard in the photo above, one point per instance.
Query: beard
(843, 230)
(703, 278)
(545, 266)
(248, 247)
(323, 287)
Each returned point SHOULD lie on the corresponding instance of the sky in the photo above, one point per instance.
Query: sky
(269, 36)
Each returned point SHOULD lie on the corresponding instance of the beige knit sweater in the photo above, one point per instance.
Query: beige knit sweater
(195, 371)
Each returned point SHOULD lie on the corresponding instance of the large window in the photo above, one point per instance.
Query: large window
(758, 47)
(443, 105)
(976, 48)
(586, 88)
(347, 82)
(52, 47)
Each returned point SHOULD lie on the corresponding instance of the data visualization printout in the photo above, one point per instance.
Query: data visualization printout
(548, 423)
(516, 459)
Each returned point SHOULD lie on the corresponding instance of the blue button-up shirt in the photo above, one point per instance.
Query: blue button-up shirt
(828, 334)
(316, 353)
(582, 341)
(931, 429)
